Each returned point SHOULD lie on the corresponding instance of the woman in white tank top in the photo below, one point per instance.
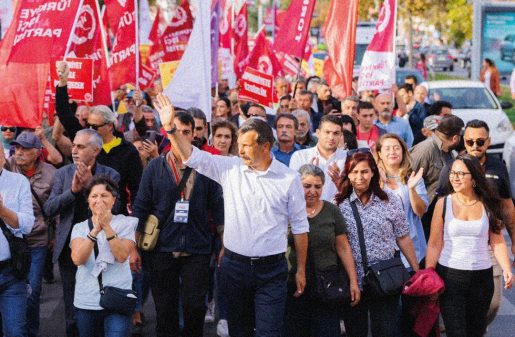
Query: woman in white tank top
(464, 223)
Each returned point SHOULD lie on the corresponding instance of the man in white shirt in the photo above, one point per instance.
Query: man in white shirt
(261, 198)
(325, 154)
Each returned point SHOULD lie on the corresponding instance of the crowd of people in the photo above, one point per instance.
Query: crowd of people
(235, 220)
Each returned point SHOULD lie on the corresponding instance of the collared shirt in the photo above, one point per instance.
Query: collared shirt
(400, 127)
(430, 156)
(313, 156)
(284, 157)
(15, 191)
(258, 205)
(311, 140)
(383, 222)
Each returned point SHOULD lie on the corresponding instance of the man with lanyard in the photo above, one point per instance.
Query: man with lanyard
(477, 140)
(17, 215)
(262, 198)
(179, 264)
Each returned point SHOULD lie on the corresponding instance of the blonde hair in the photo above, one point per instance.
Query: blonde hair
(405, 169)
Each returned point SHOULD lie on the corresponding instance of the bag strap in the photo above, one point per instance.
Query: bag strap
(7, 233)
(40, 203)
(444, 210)
(95, 250)
(361, 236)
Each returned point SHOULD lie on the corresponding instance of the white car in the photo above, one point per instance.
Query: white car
(473, 100)
(509, 159)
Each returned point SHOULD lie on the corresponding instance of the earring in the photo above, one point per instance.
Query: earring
(474, 185)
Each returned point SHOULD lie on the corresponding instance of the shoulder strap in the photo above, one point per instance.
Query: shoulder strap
(7, 233)
(361, 236)
(444, 210)
(95, 250)
(38, 200)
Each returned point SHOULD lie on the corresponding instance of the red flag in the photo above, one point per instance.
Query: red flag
(42, 26)
(262, 58)
(225, 24)
(340, 36)
(80, 79)
(176, 36)
(156, 53)
(88, 42)
(124, 55)
(293, 34)
(256, 87)
(239, 35)
(146, 76)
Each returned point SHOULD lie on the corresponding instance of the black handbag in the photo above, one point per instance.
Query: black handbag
(120, 301)
(20, 253)
(384, 278)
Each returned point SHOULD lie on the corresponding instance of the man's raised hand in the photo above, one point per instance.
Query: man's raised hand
(166, 111)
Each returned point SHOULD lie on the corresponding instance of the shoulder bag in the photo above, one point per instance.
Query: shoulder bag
(150, 235)
(384, 278)
(121, 301)
(20, 253)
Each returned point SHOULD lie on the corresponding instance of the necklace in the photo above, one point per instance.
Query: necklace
(464, 204)
(312, 213)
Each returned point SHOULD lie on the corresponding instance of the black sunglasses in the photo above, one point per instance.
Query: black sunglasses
(9, 128)
(94, 127)
(480, 142)
(360, 150)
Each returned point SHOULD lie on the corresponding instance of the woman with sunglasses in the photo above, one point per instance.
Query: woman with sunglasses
(8, 135)
(398, 177)
(385, 228)
(464, 223)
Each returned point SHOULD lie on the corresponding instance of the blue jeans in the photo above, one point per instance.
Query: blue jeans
(256, 296)
(13, 304)
(92, 323)
(35, 277)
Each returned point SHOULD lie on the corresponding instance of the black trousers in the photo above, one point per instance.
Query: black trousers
(466, 300)
(67, 270)
(171, 277)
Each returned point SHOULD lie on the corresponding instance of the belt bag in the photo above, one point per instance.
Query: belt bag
(332, 285)
(120, 301)
(384, 278)
(20, 253)
(150, 236)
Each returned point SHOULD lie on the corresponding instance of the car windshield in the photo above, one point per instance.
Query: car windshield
(464, 98)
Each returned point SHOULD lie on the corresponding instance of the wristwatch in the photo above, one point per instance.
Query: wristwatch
(172, 131)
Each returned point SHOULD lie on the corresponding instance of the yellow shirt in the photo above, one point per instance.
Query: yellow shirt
(112, 144)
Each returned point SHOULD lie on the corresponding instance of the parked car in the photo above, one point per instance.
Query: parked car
(440, 59)
(507, 49)
(401, 73)
(472, 100)
(509, 159)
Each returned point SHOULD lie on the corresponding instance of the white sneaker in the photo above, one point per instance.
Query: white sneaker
(222, 329)
(342, 327)
(210, 313)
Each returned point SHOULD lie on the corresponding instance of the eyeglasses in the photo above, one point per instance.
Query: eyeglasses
(8, 128)
(360, 150)
(460, 174)
(480, 142)
(94, 127)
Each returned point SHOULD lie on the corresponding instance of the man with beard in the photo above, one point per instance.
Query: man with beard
(415, 110)
(286, 126)
(200, 131)
(303, 136)
(392, 124)
(432, 155)
(325, 154)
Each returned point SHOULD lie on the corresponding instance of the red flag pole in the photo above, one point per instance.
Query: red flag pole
(136, 23)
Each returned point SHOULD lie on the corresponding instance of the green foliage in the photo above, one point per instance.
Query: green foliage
(459, 16)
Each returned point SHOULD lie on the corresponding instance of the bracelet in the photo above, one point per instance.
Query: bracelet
(112, 237)
(92, 238)
(172, 131)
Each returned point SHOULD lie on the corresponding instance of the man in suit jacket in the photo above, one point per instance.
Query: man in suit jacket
(67, 201)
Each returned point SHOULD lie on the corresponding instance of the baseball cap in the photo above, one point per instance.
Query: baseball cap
(431, 122)
(28, 140)
(451, 125)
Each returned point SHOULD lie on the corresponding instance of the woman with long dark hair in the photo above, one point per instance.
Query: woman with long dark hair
(464, 223)
(489, 75)
(385, 227)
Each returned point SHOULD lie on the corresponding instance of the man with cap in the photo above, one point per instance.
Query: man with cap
(16, 212)
(430, 125)
(27, 161)
(433, 154)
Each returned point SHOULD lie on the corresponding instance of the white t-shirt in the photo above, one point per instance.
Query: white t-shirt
(87, 290)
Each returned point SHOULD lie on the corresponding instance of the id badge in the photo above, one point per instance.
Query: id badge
(182, 209)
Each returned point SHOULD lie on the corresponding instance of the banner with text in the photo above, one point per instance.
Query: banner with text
(80, 79)
(256, 87)
(176, 36)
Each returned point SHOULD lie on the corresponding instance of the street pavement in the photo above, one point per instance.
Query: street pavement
(52, 314)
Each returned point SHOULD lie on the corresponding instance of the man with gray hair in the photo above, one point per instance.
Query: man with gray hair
(67, 201)
(304, 137)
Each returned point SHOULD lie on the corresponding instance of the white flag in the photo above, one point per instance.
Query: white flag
(145, 22)
(191, 84)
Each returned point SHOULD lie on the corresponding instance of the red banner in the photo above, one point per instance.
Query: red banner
(293, 33)
(340, 36)
(146, 77)
(225, 24)
(176, 36)
(256, 87)
(263, 58)
(124, 55)
(80, 79)
(44, 26)
(240, 38)
(156, 53)
(87, 41)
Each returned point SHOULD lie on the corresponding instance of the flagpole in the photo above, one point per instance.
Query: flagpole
(298, 71)
(136, 26)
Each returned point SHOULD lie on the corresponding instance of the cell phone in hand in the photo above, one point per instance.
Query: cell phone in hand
(151, 135)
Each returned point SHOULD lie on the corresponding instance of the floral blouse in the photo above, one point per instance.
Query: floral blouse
(383, 222)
